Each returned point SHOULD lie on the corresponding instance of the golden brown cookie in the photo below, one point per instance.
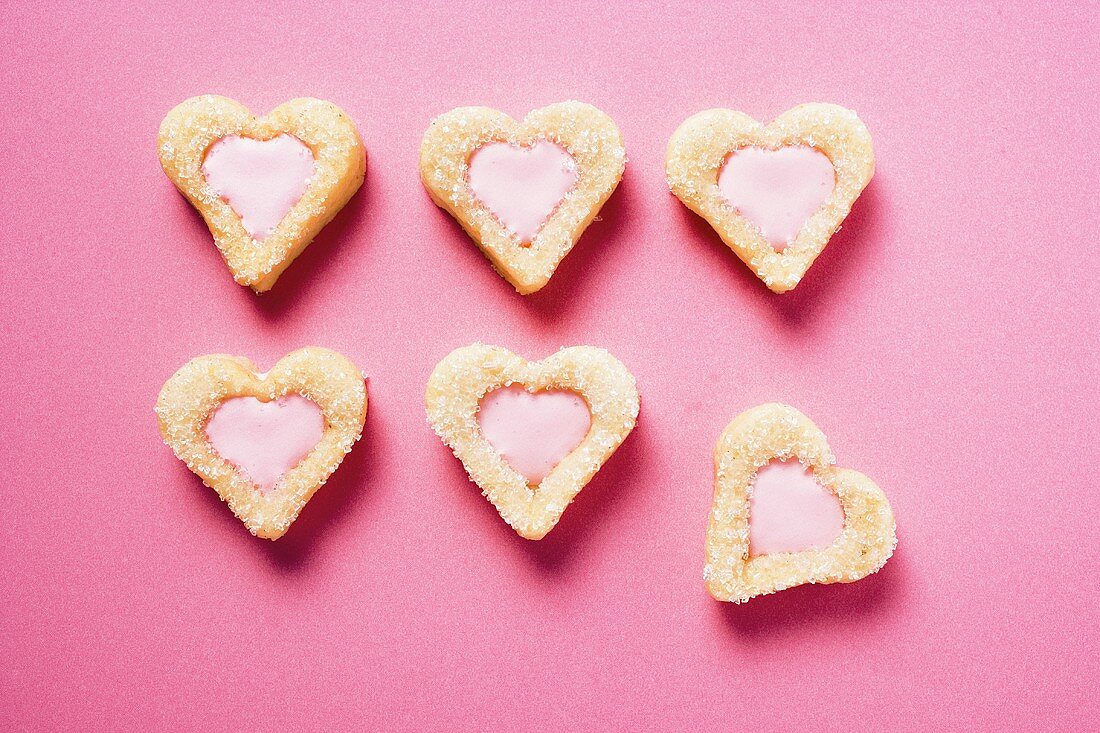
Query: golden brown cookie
(775, 193)
(798, 539)
(531, 434)
(265, 185)
(524, 191)
(265, 442)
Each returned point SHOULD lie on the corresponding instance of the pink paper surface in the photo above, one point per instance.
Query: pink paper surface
(945, 342)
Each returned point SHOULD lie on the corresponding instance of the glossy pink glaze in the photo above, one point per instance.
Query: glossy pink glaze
(777, 190)
(265, 439)
(534, 432)
(522, 186)
(260, 179)
(790, 511)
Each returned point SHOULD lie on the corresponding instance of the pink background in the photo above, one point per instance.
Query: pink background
(945, 342)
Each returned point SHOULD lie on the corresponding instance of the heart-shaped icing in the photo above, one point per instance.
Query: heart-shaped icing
(533, 431)
(527, 231)
(458, 388)
(791, 512)
(253, 437)
(749, 448)
(522, 186)
(777, 190)
(751, 203)
(260, 179)
(250, 178)
(265, 439)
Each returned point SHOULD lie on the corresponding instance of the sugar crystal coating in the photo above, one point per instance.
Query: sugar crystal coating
(778, 432)
(700, 146)
(192, 127)
(461, 379)
(586, 133)
(324, 377)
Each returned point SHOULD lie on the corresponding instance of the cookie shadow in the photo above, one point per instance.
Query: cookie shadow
(568, 286)
(846, 257)
(345, 495)
(302, 276)
(328, 250)
(595, 510)
(335, 503)
(806, 608)
(591, 513)
(572, 285)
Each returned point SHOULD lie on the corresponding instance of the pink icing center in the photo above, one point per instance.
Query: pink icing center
(777, 190)
(260, 179)
(522, 186)
(790, 511)
(265, 439)
(533, 432)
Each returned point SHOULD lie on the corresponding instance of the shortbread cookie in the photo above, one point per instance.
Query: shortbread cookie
(784, 515)
(264, 442)
(775, 193)
(524, 191)
(531, 434)
(265, 185)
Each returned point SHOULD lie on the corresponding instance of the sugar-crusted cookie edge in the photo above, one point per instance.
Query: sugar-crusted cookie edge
(190, 128)
(780, 432)
(699, 146)
(587, 133)
(324, 376)
(464, 376)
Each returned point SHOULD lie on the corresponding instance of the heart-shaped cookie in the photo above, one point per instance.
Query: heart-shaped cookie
(524, 191)
(265, 185)
(784, 515)
(531, 434)
(775, 193)
(264, 442)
